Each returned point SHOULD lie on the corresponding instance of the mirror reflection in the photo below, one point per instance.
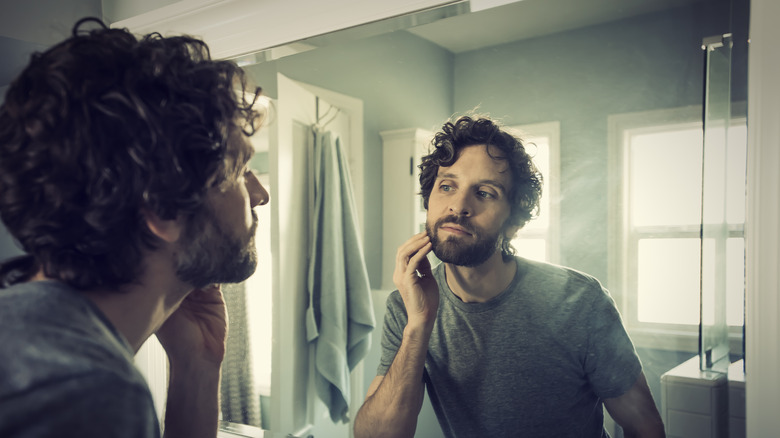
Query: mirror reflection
(613, 101)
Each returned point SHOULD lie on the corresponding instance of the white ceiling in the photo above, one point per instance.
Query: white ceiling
(532, 18)
(515, 21)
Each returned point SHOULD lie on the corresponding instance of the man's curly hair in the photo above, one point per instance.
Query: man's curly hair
(102, 126)
(466, 131)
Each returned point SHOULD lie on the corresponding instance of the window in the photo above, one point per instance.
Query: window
(538, 240)
(656, 216)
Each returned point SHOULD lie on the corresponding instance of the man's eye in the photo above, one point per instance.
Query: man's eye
(486, 195)
(445, 188)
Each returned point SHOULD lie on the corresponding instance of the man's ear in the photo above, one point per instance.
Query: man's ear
(169, 230)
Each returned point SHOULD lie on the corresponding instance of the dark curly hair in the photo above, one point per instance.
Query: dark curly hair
(101, 126)
(466, 131)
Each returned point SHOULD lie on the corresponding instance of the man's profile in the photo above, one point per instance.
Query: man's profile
(124, 178)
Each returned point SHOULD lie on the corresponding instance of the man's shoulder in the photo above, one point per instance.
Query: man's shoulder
(49, 333)
(556, 285)
(551, 274)
(97, 403)
(29, 298)
(49, 306)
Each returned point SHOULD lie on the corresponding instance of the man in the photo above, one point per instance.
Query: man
(505, 346)
(123, 176)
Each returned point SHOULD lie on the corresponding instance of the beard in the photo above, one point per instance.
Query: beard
(212, 255)
(455, 251)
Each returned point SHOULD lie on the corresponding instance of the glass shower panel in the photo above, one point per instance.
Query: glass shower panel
(713, 327)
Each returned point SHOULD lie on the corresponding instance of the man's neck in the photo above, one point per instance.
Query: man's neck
(138, 309)
(479, 284)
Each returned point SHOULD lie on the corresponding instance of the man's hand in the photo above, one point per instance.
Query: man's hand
(194, 339)
(394, 400)
(197, 330)
(415, 282)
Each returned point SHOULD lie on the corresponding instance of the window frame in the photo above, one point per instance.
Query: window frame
(623, 242)
(552, 131)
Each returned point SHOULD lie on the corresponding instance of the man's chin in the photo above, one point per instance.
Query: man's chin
(454, 252)
(239, 272)
(243, 266)
(246, 268)
(449, 252)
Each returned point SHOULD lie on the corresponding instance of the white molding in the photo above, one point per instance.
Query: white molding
(233, 28)
(678, 339)
(402, 150)
(762, 228)
(551, 130)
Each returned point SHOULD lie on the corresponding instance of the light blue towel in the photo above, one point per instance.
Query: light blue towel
(340, 317)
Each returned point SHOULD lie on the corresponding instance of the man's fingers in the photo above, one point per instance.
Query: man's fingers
(412, 245)
(410, 253)
(419, 260)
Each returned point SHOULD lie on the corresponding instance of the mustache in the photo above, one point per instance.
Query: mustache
(461, 221)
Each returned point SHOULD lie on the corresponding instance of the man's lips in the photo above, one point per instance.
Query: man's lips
(455, 229)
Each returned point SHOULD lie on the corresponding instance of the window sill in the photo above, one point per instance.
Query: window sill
(676, 340)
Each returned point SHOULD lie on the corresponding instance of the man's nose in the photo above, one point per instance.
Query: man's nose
(258, 195)
(459, 204)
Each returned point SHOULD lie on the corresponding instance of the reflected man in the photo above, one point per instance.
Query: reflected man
(123, 176)
(506, 346)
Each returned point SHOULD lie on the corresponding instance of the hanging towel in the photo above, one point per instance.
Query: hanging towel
(340, 317)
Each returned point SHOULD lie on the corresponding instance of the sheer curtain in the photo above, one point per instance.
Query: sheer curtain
(239, 401)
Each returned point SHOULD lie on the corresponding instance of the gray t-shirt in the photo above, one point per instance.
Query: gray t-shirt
(535, 361)
(65, 370)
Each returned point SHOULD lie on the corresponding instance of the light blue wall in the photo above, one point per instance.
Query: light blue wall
(579, 78)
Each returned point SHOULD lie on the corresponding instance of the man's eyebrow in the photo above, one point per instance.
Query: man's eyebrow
(446, 175)
(491, 182)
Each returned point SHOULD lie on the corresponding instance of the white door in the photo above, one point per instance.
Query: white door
(299, 106)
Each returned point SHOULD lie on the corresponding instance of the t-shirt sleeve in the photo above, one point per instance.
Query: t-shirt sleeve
(611, 362)
(392, 333)
(92, 405)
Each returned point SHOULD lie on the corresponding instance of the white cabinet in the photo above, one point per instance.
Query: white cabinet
(694, 403)
(403, 214)
(703, 404)
(737, 411)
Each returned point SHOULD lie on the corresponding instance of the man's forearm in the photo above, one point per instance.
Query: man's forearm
(393, 408)
(192, 409)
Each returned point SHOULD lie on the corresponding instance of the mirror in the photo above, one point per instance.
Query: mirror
(623, 80)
